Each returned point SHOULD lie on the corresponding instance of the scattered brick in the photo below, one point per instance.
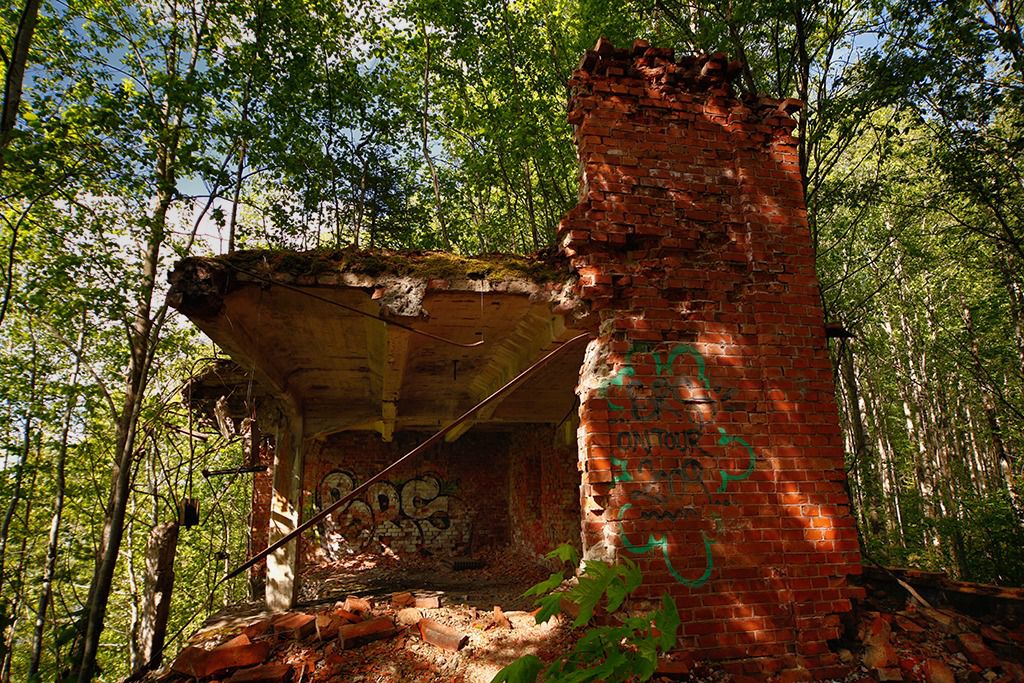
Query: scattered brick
(400, 600)
(427, 601)
(351, 635)
(358, 605)
(327, 626)
(977, 652)
(348, 617)
(295, 625)
(441, 636)
(908, 625)
(935, 671)
(266, 673)
(258, 629)
(238, 652)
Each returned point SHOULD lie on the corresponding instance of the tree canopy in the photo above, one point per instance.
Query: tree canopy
(134, 133)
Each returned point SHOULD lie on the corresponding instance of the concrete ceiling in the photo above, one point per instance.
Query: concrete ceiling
(352, 371)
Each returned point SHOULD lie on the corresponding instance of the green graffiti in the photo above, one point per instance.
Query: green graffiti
(618, 381)
(652, 543)
(719, 524)
(623, 474)
(681, 350)
(725, 440)
(663, 363)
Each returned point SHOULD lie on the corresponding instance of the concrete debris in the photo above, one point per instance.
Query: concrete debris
(408, 616)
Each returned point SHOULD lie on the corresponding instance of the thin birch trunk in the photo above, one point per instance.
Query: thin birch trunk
(50, 567)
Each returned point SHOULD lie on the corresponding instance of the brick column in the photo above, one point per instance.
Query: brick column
(709, 433)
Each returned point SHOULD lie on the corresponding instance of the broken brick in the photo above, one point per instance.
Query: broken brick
(400, 600)
(441, 636)
(889, 674)
(908, 625)
(351, 635)
(236, 653)
(977, 652)
(348, 617)
(935, 671)
(295, 625)
(427, 602)
(257, 629)
(266, 673)
(327, 626)
(356, 604)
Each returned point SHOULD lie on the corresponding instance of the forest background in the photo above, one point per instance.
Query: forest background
(135, 133)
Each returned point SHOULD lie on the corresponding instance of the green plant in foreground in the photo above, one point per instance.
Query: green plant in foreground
(613, 653)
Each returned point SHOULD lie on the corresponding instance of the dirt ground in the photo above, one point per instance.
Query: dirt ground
(891, 636)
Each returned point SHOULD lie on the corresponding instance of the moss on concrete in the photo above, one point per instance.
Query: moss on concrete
(542, 267)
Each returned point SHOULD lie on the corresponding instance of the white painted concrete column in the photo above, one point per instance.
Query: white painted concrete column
(285, 513)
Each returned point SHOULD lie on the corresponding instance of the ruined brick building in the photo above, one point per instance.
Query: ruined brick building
(695, 432)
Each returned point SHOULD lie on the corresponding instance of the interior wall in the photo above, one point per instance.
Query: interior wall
(544, 489)
(449, 501)
(259, 520)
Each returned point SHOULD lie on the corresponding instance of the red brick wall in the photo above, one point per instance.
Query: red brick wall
(709, 429)
(544, 491)
(259, 520)
(450, 498)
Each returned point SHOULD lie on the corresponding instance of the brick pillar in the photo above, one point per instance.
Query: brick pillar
(709, 433)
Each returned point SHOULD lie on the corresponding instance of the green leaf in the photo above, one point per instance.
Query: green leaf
(666, 620)
(523, 670)
(546, 586)
(565, 553)
(549, 607)
(597, 576)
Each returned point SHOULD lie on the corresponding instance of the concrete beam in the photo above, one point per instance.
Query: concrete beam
(533, 335)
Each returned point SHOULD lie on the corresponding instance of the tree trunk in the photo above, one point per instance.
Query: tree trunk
(138, 375)
(15, 77)
(50, 567)
(425, 140)
(19, 474)
(861, 453)
(19, 593)
(134, 616)
(1003, 459)
(160, 553)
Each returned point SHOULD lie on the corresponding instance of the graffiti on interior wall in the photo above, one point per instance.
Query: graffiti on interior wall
(681, 400)
(419, 514)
